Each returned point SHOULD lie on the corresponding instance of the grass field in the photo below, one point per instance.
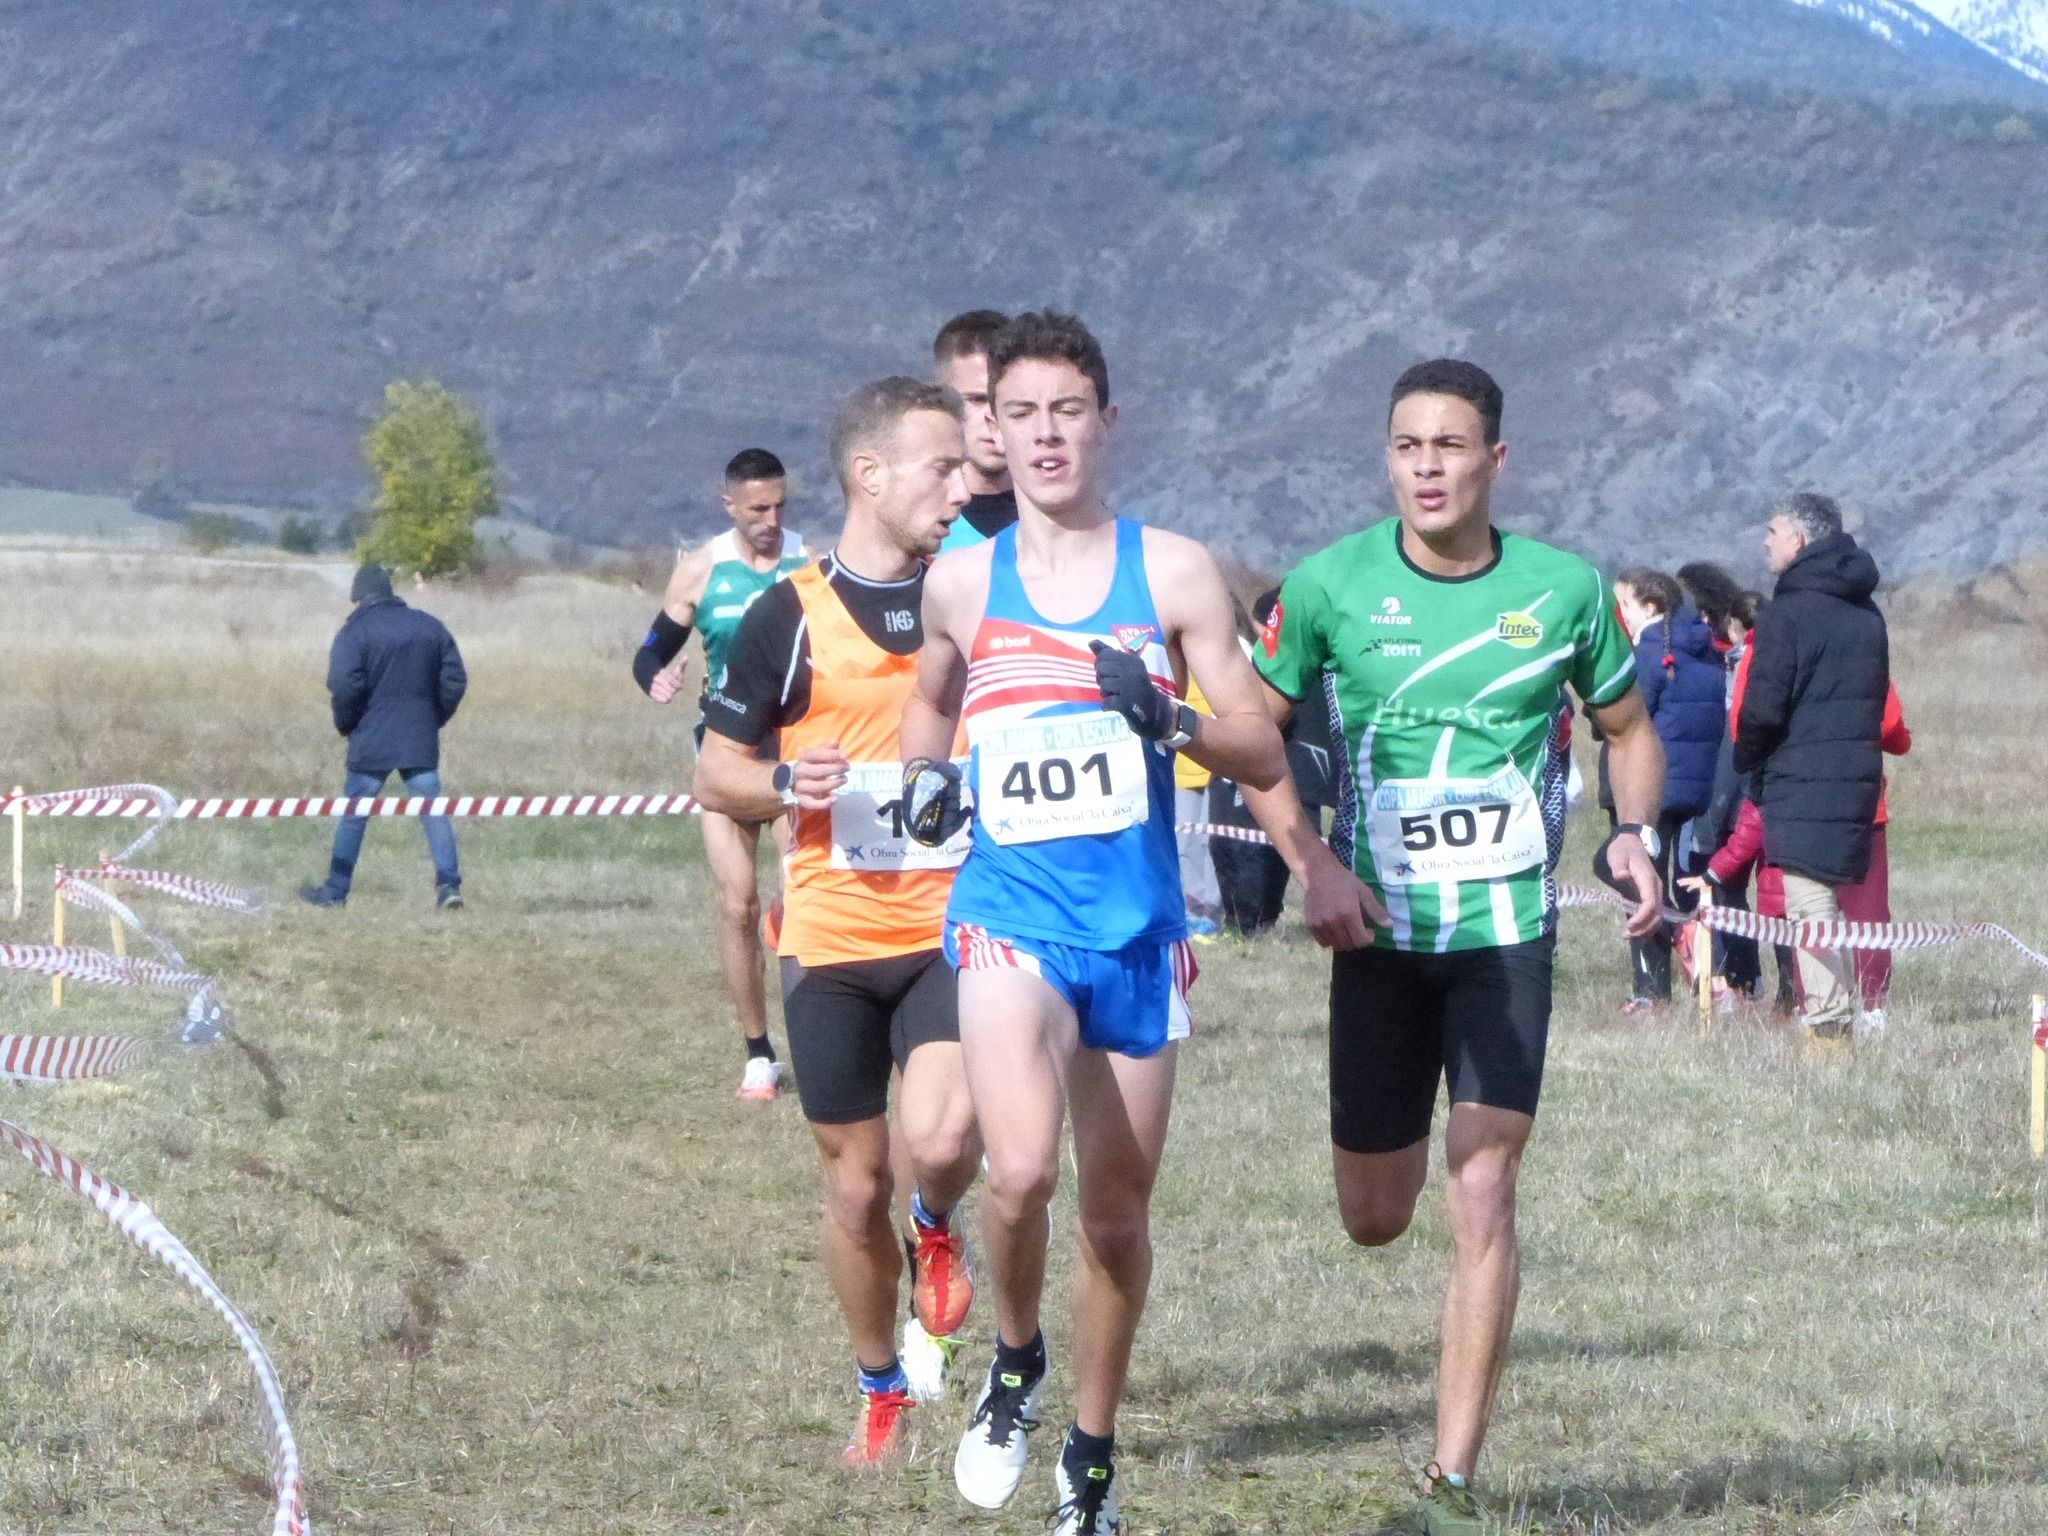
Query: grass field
(527, 1266)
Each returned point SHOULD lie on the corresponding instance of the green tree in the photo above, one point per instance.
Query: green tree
(435, 476)
(298, 536)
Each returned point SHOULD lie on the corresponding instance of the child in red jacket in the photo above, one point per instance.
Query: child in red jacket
(1731, 866)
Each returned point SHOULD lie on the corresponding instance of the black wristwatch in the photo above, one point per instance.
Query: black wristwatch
(1183, 729)
(783, 781)
(1646, 835)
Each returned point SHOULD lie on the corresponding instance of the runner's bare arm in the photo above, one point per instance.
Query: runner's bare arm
(1237, 739)
(732, 781)
(686, 585)
(954, 588)
(1338, 907)
(1635, 766)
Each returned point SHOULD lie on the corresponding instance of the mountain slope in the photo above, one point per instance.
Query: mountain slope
(2013, 30)
(1811, 45)
(642, 235)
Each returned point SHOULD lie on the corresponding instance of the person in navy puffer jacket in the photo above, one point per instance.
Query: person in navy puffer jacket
(1683, 683)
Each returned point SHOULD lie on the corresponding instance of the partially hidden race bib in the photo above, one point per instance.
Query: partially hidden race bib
(1424, 831)
(868, 831)
(1069, 776)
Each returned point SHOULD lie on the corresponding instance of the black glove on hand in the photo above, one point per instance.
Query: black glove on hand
(932, 812)
(1127, 688)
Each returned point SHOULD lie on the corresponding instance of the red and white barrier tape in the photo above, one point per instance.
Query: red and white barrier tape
(139, 800)
(49, 1059)
(123, 802)
(1815, 935)
(141, 1226)
(72, 887)
(76, 964)
(53, 1059)
(200, 892)
(1840, 934)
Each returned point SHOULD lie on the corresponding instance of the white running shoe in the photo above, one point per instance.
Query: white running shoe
(926, 1360)
(762, 1079)
(1091, 1509)
(990, 1462)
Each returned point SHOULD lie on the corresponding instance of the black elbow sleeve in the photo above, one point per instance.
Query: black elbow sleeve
(663, 644)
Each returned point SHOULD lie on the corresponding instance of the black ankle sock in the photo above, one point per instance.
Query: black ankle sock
(1026, 1360)
(1085, 1450)
(760, 1046)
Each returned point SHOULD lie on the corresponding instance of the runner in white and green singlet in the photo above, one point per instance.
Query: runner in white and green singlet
(711, 589)
(1442, 649)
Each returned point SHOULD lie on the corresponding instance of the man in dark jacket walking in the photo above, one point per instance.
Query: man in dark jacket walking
(1810, 722)
(396, 679)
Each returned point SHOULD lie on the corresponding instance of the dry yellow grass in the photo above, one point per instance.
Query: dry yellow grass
(528, 1266)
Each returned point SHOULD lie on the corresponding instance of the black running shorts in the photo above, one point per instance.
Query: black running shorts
(849, 1024)
(1401, 1022)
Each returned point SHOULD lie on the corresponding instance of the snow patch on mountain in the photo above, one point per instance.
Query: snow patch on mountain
(2015, 32)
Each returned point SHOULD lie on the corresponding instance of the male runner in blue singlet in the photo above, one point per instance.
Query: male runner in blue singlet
(1064, 643)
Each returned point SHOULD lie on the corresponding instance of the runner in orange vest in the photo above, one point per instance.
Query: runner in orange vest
(826, 660)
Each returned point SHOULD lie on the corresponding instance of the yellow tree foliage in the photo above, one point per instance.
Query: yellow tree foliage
(435, 478)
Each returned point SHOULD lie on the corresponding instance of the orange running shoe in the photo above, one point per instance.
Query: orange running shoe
(942, 1281)
(878, 1437)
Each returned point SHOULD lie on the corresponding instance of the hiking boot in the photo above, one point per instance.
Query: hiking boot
(1452, 1509)
(1088, 1502)
(990, 1461)
(878, 1434)
(322, 896)
(941, 1279)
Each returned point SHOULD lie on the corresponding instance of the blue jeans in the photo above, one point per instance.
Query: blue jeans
(348, 832)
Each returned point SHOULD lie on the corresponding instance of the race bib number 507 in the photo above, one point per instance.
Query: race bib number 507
(1070, 776)
(1428, 830)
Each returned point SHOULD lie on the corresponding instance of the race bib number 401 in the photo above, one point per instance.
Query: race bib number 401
(1424, 831)
(868, 831)
(1070, 776)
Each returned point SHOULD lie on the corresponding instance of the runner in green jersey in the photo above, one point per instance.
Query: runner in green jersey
(1444, 695)
(1441, 649)
(711, 588)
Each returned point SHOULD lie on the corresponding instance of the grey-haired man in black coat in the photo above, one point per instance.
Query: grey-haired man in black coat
(396, 678)
(1811, 718)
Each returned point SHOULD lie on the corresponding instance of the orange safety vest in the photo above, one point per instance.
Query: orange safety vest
(835, 915)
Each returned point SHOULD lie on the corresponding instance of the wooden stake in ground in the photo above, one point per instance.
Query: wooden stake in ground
(1703, 960)
(18, 814)
(2037, 1125)
(120, 934)
(57, 938)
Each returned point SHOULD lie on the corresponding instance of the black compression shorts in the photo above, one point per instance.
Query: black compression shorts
(848, 1024)
(1402, 1022)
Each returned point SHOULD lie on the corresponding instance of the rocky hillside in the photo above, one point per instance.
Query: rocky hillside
(644, 234)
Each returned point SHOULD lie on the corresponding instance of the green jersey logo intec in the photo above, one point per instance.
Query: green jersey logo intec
(1520, 630)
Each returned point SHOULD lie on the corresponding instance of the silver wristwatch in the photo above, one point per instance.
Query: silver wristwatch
(1653, 845)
